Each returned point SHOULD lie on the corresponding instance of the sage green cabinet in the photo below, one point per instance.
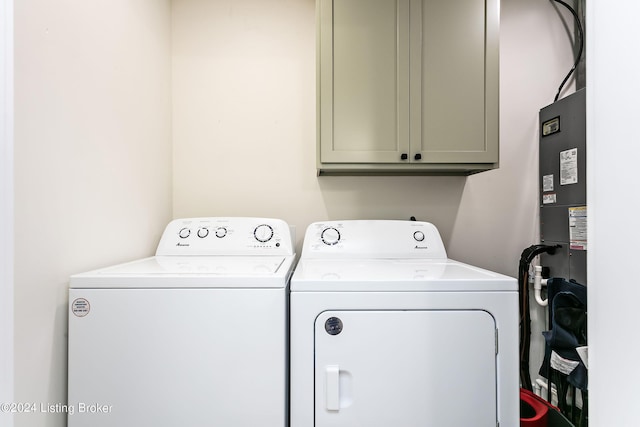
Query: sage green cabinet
(407, 86)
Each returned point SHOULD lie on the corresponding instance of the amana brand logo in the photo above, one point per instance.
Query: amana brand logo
(182, 244)
(421, 247)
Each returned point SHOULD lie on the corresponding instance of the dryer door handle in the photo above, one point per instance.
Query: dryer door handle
(332, 387)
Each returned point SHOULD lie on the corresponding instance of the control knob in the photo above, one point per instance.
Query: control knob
(263, 233)
(330, 236)
(419, 236)
(203, 232)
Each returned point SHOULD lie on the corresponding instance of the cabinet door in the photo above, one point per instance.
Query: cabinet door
(454, 80)
(363, 80)
(405, 368)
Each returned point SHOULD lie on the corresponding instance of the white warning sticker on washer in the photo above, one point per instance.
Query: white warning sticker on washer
(547, 183)
(569, 167)
(548, 198)
(80, 307)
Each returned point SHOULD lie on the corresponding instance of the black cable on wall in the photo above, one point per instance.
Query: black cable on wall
(580, 46)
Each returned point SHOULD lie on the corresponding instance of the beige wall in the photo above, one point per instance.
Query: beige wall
(244, 124)
(92, 164)
(244, 129)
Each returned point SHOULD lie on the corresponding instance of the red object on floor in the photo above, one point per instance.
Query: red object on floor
(534, 410)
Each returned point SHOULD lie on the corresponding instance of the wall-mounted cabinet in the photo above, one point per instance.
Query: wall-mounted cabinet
(407, 86)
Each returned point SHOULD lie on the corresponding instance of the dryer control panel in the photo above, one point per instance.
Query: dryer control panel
(226, 236)
(373, 239)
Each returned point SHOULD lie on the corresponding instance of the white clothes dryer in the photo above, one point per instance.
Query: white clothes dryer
(194, 336)
(387, 331)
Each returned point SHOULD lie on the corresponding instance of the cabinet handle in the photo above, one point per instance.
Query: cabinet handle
(418, 156)
(404, 156)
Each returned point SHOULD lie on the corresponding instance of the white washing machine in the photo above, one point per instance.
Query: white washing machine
(386, 331)
(194, 336)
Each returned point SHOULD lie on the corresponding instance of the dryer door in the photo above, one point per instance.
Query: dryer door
(405, 368)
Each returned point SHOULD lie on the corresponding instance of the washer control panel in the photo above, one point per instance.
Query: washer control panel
(373, 239)
(226, 236)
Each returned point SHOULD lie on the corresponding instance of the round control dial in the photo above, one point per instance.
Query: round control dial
(263, 233)
(203, 232)
(419, 236)
(184, 233)
(221, 232)
(330, 236)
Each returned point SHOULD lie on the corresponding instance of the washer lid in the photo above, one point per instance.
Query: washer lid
(396, 275)
(191, 272)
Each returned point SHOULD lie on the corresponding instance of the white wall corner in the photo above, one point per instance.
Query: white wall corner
(6, 209)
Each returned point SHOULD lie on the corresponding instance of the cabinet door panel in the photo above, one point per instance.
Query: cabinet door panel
(454, 119)
(360, 82)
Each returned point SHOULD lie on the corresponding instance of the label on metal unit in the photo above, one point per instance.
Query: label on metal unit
(551, 126)
(578, 228)
(569, 167)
